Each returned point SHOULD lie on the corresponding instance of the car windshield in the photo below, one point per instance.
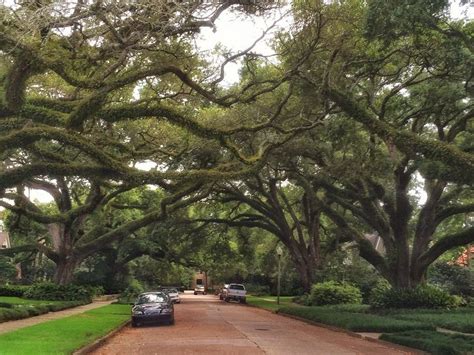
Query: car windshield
(151, 298)
(237, 287)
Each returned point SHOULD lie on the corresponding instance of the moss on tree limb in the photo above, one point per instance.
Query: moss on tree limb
(405, 141)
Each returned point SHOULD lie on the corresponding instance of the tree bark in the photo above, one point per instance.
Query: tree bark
(65, 269)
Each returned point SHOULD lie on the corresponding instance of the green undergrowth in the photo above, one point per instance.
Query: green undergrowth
(433, 342)
(461, 320)
(63, 336)
(358, 322)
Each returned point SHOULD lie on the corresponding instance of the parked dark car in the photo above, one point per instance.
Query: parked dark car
(152, 307)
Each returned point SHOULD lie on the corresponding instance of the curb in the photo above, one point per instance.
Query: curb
(353, 334)
(101, 341)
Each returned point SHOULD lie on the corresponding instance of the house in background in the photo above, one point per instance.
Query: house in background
(467, 257)
(201, 278)
(4, 240)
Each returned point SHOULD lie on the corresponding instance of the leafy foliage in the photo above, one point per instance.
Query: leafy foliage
(52, 292)
(423, 296)
(13, 290)
(331, 292)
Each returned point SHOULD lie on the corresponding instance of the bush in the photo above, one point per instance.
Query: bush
(334, 293)
(425, 296)
(13, 290)
(454, 278)
(303, 300)
(54, 292)
(131, 292)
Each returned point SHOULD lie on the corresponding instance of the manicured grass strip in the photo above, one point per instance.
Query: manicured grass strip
(268, 302)
(63, 336)
(433, 342)
(358, 322)
(461, 322)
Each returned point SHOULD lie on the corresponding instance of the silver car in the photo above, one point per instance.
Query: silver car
(173, 294)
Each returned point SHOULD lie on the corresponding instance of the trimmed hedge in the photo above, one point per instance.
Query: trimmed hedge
(13, 290)
(357, 322)
(53, 292)
(26, 311)
(425, 296)
(327, 293)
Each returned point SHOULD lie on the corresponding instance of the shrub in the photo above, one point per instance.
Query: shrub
(334, 293)
(13, 290)
(425, 296)
(131, 292)
(54, 292)
(303, 300)
(454, 278)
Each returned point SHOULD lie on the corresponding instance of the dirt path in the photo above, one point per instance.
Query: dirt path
(22, 323)
(205, 325)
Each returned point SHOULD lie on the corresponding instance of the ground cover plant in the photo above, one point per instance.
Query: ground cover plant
(433, 342)
(12, 308)
(461, 320)
(65, 335)
(358, 322)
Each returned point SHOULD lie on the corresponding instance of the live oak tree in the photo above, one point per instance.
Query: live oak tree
(90, 89)
(409, 102)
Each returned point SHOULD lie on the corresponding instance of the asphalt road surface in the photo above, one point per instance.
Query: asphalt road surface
(206, 325)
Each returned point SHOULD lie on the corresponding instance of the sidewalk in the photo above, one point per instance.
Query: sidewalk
(12, 325)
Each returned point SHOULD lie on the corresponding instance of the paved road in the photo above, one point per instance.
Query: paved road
(205, 325)
(27, 322)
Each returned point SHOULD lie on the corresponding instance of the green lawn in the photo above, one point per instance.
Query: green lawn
(65, 335)
(269, 302)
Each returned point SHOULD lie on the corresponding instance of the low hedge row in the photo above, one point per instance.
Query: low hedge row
(13, 290)
(26, 311)
(357, 322)
(54, 292)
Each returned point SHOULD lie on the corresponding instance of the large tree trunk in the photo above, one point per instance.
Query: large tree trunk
(65, 268)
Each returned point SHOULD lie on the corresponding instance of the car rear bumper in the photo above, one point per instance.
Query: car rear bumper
(154, 318)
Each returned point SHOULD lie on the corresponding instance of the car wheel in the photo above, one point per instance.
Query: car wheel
(227, 299)
(134, 324)
(171, 322)
(195, 293)
(242, 300)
